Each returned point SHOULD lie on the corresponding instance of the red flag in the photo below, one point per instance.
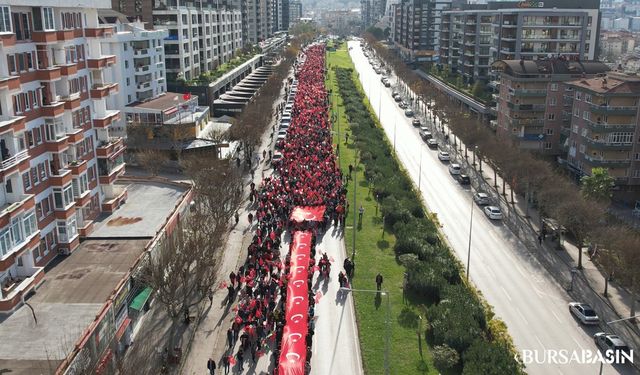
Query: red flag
(186, 96)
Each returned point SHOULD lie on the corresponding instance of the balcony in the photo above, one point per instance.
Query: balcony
(603, 145)
(69, 69)
(66, 35)
(44, 36)
(48, 74)
(142, 70)
(15, 123)
(15, 289)
(62, 178)
(526, 107)
(12, 161)
(109, 117)
(52, 109)
(101, 62)
(102, 90)
(109, 175)
(110, 148)
(78, 167)
(613, 110)
(75, 136)
(141, 52)
(528, 92)
(72, 101)
(11, 83)
(143, 87)
(602, 127)
(596, 161)
(526, 122)
(99, 32)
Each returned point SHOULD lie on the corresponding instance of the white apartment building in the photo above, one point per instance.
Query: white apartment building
(59, 157)
(199, 39)
(140, 73)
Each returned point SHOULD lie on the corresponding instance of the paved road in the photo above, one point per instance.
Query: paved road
(523, 294)
(336, 347)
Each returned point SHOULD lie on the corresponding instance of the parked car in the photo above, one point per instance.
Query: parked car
(432, 143)
(395, 93)
(409, 113)
(276, 158)
(481, 198)
(607, 341)
(383, 78)
(455, 168)
(425, 134)
(464, 179)
(584, 313)
(443, 156)
(397, 98)
(416, 123)
(403, 105)
(386, 83)
(493, 212)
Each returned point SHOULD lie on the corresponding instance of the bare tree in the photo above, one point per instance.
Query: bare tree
(631, 265)
(152, 160)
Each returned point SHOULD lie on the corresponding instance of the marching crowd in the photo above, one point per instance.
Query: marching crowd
(307, 176)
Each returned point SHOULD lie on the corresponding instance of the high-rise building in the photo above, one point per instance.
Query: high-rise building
(199, 40)
(604, 128)
(534, 102)
(280, 15)
(140, 10)
(476, 35)
(59, 157)
(295, 11)
(417, 28)
(259, 20)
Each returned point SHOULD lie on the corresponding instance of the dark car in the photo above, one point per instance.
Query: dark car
(464, 179)
(397, 98)
(416, 123)
(387, 83)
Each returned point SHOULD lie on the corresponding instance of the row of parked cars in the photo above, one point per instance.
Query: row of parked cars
(585, 314)
(285, 121)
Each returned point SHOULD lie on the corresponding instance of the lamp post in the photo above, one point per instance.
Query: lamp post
(475, 149)
(388, 322)
(470, 231)
(355, 188)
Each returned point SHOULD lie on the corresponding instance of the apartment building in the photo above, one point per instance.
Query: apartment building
(517, 30)
(140, 73)
(534, 100)
(417, 28)
(295, 11)
(138, 10)
(280, 15)
(604, 130)
(199, 38)
(59, 158)
(259, 20)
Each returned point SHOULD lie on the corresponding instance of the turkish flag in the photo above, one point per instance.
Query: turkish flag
(186, 96)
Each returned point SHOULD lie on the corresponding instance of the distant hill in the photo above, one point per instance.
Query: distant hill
(309, 5)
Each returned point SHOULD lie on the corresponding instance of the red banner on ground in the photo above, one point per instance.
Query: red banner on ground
(308, 213)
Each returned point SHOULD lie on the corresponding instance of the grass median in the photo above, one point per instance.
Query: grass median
(374, 254)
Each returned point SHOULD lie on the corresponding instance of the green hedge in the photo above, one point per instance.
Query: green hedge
(457, 316)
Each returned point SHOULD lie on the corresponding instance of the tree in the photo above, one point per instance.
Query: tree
(598, 185)
(478, 89)
(444, 357)
(151, 160)
(377, 32)
(630, 262)
(490, 358)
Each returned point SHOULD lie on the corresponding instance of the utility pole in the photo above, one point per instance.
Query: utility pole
(355, 188)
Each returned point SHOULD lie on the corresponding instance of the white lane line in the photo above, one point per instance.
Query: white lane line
(519, 269)
(491, 273)
(556, 315)
(576, 341)
(506, 294)
(522, 316)
(539, 342)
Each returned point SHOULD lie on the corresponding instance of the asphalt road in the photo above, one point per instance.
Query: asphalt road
(523, 294)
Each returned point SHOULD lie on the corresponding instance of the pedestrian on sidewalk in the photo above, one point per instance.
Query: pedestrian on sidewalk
(250, 217)
(361, 212)
(211, 366)
(230, 337)
(240, 357)
(232, 278)
(225, 363)
(237, 217)
(264, 154)
(540, 239)
(379, 280)
(230, 293)
(211, 296)
(348, 267)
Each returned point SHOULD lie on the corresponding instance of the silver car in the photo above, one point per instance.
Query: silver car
(481, 198)
(443, 156)
(584, 313)
(493, 212)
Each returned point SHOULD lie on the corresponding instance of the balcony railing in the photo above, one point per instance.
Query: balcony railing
(600, 161)
(622, 110)
(601, 144)
(14, 160)
(605, 127)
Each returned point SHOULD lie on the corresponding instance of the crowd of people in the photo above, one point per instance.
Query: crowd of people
(307, 176)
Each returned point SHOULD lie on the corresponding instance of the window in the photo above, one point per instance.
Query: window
(549, 131)
(26, 181)
(578, 95)
(552, 101)
(586, 115)
(551, 116)
(587, 98)
(637, 155)
(22, 25)
(16, 231)
(636, 173)
(5, 242)
(47, 18)
(554, 87)
(576, 112)
(126, 65)
(5, 19)
(582, 148)
(62, 231)
(620, 137)
(547, 145)
(30, 225)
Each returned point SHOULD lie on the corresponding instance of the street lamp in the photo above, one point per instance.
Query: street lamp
(355, 188)
(470, 230)
(395, 127)
(475, 149)
(388, 322)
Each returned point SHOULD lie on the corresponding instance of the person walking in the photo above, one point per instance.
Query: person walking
(232, 278)
(211, 366)
(240, 357)
(225, 363)
(348, 267)
(361, 212)
(230, 335)
(237, 217)
(379, 280)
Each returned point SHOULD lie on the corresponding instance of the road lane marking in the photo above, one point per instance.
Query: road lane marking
(491, 273)
(539, 342)
(506, 294)
(522, 316)
(557, 317)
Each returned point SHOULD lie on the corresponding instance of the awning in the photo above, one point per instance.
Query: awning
(141, 299)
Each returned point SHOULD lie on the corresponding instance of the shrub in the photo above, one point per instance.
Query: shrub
(489, 358)
(425, 281)
(444, 357)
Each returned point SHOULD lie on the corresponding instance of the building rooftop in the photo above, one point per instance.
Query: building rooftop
(559, 66)
(615, 83)
(75, 287)
(162, 102)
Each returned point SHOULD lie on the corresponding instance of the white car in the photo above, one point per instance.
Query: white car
(493, 212)
(444, 156)
(584, 313)
(481, 198)
(455, 168)
(277, 157)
